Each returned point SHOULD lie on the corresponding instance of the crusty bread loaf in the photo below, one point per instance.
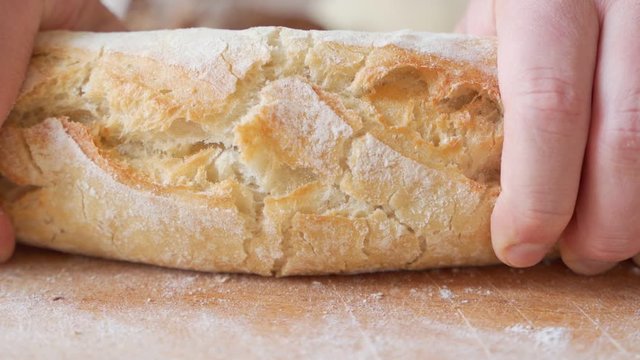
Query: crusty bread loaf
(269, 151)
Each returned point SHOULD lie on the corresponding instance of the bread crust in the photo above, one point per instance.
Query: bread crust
(269, 151)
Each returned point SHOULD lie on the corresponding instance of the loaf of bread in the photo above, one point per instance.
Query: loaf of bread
(270, 151)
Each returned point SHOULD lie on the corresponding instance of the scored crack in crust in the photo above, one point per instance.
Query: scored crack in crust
(270, 151)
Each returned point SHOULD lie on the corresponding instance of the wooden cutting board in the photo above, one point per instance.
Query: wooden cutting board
(62, 306)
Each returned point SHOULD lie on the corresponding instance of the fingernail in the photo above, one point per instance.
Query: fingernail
(523, 255)
(589, 267)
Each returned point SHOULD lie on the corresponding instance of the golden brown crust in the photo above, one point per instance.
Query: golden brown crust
(270, 151)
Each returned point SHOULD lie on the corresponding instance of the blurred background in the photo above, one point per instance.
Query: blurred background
(370, 15)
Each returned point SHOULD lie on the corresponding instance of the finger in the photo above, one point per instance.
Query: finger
(18, 28)
(607, 224)
(636, 259)
(478, 19)
(7, 238)
(19, 23)
(545, 75)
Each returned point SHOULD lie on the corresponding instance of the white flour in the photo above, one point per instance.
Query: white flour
(160, 331)
(548, 337)
(446, 294)
(81, 308)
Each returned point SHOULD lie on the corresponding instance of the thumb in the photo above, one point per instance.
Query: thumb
(19, 23)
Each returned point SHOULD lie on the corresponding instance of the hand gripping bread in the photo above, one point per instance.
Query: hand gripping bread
(268, 151)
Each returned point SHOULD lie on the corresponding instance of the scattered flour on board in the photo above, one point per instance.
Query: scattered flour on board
(446, 294)
(162, 318)
(163, 328)
(477, 291)
(551, 336)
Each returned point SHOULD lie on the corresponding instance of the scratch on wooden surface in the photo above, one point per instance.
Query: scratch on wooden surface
(486, 350)
(603, 331)
(366, 338)
(501, 294)
(530, 291)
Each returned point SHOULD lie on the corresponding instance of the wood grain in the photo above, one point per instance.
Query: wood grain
(56, 305)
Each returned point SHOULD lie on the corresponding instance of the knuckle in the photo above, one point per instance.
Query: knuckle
(626, 105)
(620, 136)
(622, 147)
(550, 103)
(544, 90)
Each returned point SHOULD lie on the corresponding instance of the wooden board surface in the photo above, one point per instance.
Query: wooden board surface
(54, 305)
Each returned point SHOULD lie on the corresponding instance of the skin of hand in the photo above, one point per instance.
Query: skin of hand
(569, 75)
(20, 20)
